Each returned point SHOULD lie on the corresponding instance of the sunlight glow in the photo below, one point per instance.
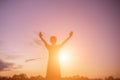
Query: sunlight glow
(64, 57)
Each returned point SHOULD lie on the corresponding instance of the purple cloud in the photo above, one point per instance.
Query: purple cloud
(5, 66)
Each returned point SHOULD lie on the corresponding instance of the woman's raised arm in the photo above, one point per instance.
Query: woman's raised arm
(43, 40)
(70, 35)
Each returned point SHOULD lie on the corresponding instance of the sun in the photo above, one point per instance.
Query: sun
(64, 57)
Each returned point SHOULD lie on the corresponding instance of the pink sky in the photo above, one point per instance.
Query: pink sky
(95, 47)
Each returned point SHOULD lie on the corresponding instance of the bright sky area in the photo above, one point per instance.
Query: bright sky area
(94, 49)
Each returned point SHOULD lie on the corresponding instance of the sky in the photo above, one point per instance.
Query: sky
(94, 49)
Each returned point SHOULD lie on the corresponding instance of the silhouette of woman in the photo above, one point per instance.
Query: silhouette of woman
(53, 68)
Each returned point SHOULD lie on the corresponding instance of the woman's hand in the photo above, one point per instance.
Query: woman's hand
(40, 34)
(71, 33)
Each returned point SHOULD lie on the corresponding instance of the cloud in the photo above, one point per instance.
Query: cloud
(5, 66)
(9, 55)
(18, 67)
(12, 56)
(28, 60)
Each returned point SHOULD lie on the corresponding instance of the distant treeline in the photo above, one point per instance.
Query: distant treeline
(77, 77)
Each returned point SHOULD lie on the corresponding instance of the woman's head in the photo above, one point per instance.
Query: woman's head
(53, 39)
